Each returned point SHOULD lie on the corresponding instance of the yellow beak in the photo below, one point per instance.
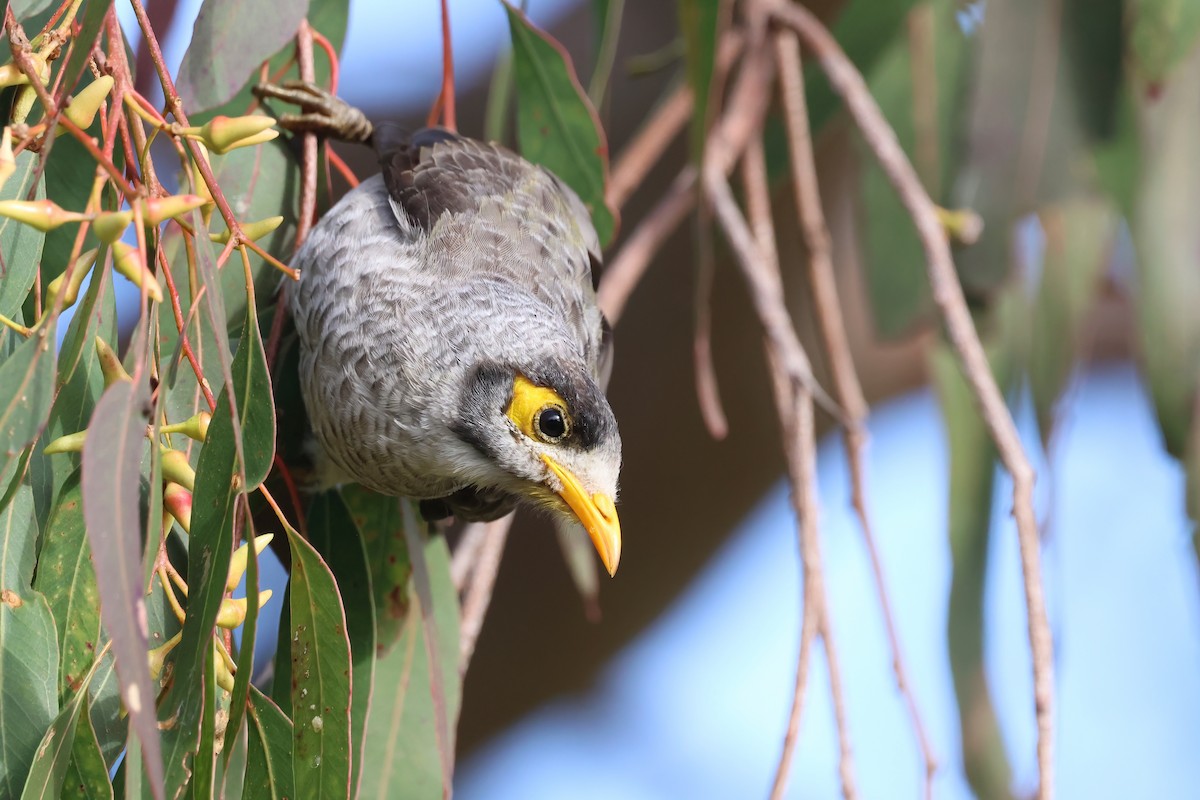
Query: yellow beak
(597, 513)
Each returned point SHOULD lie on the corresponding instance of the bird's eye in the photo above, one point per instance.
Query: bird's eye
(551, 424)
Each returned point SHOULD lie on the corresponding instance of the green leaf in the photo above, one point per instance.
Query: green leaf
(700, 21)
(1162, 34)
(972, 472)
(893, 257)
(334, 535)
(381, 522)
(70, 171)
(80, 384)
(330, 18)
(112, 514)
(28, 648)
(1079, 237)
(321, 677)
(26, 392)
(863, 28)
(66, 577)
(87, 774)
(217, 501)
(229, 42)
(269, 752)
(401, 741)
(281, 680)
(263, 181)
(204, 771)
(94, 12)
(556, 124)
(24, 9)
(20, 245)
(233, 783)
(1166, 243)
(49, 768)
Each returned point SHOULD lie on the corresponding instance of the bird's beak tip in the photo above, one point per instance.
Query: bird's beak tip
(597, 513)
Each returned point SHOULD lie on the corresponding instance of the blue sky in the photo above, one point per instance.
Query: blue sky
(697, 705)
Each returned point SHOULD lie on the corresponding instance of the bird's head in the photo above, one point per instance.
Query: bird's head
(549, 436)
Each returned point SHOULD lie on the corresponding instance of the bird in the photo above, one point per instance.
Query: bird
(451, 348)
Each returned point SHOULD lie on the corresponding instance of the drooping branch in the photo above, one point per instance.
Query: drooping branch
(832, 330)
(948, 295)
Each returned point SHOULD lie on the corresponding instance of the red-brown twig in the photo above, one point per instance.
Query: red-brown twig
(960, 330)
(341, 166)
(479, 592)
(832, 330)
(308, 141)
(445, 100)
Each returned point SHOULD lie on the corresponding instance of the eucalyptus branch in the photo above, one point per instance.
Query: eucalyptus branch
(948, 295)
(832, 330)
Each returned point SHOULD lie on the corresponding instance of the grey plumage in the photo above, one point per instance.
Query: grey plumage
(423, 294)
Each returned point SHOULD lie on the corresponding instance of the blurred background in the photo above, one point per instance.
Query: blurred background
(1071, 128)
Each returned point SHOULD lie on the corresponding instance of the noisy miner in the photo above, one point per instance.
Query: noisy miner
(451, 349)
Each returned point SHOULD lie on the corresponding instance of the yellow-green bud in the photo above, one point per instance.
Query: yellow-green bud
(237, 562)
(83, 107)
(178, 502)
(252, 230)
(194, 427)
(157, 209)
(175, 468)
(70, 289)
(224, 670)
(223, 134)
(127, 261)
(8, 163)
(45, 215)
(71, 443)
(11, 75)
(110, 225)
(232, 612)
(110, 365)
(158, 656)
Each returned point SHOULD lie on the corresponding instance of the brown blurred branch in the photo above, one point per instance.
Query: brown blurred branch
(960, 329)
(466, 554)
(755, 253)
(742, 117)
(650, 142)
(832, 330)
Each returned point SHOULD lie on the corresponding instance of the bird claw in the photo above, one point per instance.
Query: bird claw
(322, 113)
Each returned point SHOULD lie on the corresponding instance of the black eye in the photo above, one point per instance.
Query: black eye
(551, 423)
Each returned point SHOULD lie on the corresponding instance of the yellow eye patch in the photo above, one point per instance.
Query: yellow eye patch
(529, 401)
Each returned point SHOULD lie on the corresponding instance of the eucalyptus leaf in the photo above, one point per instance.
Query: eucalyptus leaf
(20, 244)
(229, 41)
(28, 646)
(556, 124)
(111, 476)
(321, 677)
(335, 536)
(401, 740)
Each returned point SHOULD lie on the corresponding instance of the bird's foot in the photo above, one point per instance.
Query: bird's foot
(322, 113)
